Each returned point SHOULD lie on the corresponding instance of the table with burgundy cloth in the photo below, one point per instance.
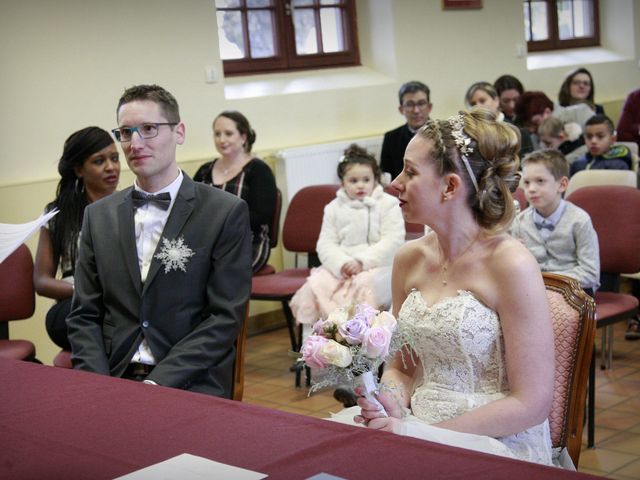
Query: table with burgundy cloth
(60, 423)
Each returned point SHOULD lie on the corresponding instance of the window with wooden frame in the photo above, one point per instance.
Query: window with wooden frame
(557, 24)
(259, 36)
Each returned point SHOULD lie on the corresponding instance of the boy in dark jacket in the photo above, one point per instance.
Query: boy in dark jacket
(600, 137)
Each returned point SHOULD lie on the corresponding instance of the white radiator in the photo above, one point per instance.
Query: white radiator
(299, 167)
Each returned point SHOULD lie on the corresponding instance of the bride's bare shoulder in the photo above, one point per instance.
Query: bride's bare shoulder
(413, 250)
(509, 255)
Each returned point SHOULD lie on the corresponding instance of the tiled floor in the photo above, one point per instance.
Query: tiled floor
(617, 453)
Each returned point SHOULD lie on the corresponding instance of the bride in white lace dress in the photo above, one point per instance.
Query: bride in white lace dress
(472, 298)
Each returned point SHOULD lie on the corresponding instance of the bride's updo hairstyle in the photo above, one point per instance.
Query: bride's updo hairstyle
(484, 153)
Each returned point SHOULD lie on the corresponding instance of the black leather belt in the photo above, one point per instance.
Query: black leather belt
(139, 369)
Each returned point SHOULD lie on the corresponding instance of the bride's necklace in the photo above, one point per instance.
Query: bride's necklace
(445, 264)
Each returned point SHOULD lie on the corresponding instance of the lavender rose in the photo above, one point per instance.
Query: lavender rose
(353, 331)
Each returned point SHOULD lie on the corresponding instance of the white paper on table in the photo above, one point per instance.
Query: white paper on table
(13, 235)
(191, 467)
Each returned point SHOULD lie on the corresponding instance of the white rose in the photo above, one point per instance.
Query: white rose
(338, 317)
(385, 320)
(336, 354)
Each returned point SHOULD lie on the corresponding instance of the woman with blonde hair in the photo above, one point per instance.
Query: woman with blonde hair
(472, 299)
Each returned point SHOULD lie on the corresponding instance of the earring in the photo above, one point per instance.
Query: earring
(444, 197)
(78, 180)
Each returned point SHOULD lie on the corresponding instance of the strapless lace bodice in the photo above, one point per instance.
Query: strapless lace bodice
(460, 346)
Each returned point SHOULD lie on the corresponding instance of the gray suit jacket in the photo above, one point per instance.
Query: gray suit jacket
(189, 319)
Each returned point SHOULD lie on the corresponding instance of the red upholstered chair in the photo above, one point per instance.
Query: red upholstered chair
(572, 313)
(300, 234)
(615, 213)
(273, 232)
(521, 198)
(63, 359)
(17, 302)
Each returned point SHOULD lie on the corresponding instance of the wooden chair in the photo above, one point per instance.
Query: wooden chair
(237, 388)
(273, 233)
(17, 302)
(572, 313)
(300, 234)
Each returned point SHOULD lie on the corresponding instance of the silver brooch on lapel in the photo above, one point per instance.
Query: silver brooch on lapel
(174, 254)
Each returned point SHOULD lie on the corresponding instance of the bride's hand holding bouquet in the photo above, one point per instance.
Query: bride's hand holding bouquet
(350, 345)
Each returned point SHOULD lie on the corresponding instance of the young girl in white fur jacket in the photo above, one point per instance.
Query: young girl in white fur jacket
(361, 230)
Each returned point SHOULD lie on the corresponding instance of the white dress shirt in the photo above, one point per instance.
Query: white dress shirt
(149, 221)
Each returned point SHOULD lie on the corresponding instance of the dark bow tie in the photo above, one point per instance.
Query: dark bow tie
(548, 226)
(161, 200)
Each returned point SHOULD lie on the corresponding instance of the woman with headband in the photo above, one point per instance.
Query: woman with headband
(471, 298)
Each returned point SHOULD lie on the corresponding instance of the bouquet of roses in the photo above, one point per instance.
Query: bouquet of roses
(350, 345)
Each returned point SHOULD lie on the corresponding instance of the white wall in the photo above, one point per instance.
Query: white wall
(65, 63)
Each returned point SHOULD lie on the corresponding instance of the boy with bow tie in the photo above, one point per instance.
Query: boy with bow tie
(558, 233)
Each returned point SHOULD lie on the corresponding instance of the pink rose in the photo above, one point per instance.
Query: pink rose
(318, 327)
(312, 351)
(337, 354)
(376, 342)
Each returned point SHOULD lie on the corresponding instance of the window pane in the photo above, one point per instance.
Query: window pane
(230, 35)
(331, 28)
(330, 2)
(575, 19)
(227, 3)
(539, 23)
(305, 27)
(261, 34)
(565, 19)
(258, 3)
(300, 3)
(527, 21)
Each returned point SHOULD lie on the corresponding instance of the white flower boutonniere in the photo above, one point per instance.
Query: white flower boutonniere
(174, 254)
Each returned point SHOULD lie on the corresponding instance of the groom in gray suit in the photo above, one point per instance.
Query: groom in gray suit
(164, 268)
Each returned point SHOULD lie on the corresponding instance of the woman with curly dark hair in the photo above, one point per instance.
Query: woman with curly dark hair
(89, 170)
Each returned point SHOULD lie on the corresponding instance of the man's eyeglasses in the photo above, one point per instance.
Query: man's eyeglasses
(145, 130)
(421, 104)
